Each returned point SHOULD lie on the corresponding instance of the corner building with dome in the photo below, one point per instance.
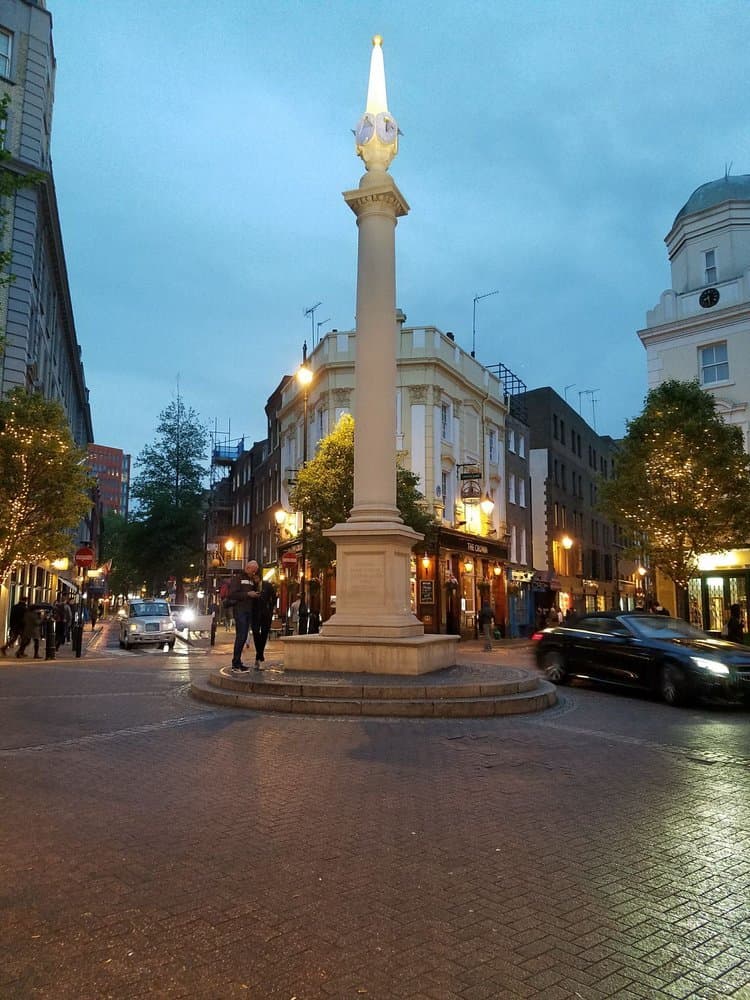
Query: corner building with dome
(700, 328)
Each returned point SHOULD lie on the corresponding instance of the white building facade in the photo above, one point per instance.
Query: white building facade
(450, 423)
(700, 329)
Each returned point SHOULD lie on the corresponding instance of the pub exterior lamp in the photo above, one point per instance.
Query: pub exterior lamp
(229, 545)
(426, 561)
(487, 505)
(280, 517)
(567, 542)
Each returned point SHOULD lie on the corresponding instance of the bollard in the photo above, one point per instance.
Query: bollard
(49, 640)
(77, 638)
(213, 631)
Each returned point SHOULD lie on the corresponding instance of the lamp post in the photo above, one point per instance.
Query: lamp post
(304, 378)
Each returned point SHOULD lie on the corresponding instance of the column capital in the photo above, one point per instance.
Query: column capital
(374, 199)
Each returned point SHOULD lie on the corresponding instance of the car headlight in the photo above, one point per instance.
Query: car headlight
(188, 616)
(713, 666)
(133, 627)
(169, 625)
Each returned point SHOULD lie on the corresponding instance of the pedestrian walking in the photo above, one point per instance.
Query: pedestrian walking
(94, 615)
(243, 591)
(293, 617)
(15, 623)
(68, 619)
(486, 621)
(32, 632)
(58, 617)
(735, 628)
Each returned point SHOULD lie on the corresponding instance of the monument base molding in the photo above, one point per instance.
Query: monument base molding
(407, 656)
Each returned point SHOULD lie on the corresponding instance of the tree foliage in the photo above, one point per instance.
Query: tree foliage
(45, 489)
(325, 491)
(682, 483)
(166, 537)
(116, 546)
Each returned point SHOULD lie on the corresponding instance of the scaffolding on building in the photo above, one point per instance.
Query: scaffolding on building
(514, 390)
(225, 451)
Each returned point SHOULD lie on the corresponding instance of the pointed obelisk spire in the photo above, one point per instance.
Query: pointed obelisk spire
(377, 99)
(376, 135)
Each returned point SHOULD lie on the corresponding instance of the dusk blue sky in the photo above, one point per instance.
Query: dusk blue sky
(200, 151)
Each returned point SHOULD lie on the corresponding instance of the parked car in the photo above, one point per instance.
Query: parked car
(636, 649)
(147, 621)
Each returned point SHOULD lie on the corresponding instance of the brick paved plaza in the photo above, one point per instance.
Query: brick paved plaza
(153, 846)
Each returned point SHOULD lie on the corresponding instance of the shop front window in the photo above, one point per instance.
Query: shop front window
(715, 594)
(695, 602)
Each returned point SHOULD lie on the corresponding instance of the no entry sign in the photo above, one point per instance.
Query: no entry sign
(84, 557)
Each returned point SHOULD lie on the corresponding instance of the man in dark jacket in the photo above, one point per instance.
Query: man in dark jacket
(243, 592)
(262, 616)
(15, 622)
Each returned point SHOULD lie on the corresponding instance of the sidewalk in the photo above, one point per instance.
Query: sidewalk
(90, 639)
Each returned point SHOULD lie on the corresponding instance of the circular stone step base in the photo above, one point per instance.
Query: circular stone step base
(520, 692)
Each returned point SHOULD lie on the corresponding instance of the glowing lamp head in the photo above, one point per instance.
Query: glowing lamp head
(304, 376)
(567, 542)
(487, 505)
(229, 544)
(280, 517)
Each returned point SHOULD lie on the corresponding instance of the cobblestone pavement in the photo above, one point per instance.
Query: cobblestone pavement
(151, 846)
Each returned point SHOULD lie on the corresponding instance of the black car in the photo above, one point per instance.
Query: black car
(636, 649)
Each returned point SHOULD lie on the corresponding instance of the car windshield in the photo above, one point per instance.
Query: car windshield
(661, 627)
(144, 609)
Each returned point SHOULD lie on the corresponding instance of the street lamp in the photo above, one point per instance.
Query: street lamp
(304, 378)
(487, 505)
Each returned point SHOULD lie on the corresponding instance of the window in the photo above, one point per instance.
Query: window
(511, 441)
(555, 432)
(445, 421)
(512, 488)
(6, 43)
(714, 363)
(493, 445)
(444, 487)
(521, 446)
(562, 431)
(710, 266)
(521, 492)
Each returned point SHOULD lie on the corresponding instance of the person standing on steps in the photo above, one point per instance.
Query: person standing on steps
(262, 616)
(243, 592)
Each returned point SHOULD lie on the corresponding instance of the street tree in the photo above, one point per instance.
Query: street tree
(117, 543)
(166, 538)
(682, 482)
(45, 489)
(325, 491)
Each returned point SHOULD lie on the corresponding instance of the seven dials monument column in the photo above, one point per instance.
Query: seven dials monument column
(374, 629)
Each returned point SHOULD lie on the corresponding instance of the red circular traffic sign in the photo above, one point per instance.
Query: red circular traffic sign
(84, 557)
